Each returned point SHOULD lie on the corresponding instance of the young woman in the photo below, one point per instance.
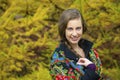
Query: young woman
(74, 58)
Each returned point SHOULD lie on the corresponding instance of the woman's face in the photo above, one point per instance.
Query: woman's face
(74, 31)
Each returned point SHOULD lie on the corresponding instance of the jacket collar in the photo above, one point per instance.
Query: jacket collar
(83, 43)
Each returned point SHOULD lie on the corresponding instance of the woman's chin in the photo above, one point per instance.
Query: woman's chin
(74, 42)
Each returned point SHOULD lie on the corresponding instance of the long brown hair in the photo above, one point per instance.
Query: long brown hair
(65, 17)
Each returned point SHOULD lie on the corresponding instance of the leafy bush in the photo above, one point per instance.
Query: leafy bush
(28, 34)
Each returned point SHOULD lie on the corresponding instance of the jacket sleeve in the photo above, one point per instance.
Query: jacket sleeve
(90, 75)
(93, 74)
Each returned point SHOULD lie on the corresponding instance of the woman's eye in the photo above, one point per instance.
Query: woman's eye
(69, 29)
(78, 28)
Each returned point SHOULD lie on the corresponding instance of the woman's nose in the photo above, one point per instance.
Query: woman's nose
(74, 33)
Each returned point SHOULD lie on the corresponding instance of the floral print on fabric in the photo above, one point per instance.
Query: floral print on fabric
(62, 68)
(96, 60)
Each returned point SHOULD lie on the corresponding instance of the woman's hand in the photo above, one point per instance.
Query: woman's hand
(84, 61)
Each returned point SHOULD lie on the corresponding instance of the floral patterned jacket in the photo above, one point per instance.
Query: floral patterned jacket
(63, 63)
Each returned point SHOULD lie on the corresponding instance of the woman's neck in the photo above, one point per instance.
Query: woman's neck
(78, 50)
(75, 46)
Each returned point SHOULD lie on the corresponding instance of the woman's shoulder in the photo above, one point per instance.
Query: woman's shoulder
(58, 55)
(58, 50)
(86, 45)
(60, 47)
(85, 42)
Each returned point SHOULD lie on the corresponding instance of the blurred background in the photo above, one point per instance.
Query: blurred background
(28, 35)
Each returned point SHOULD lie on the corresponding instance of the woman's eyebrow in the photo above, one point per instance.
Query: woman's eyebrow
(79, 26)
(69, 27)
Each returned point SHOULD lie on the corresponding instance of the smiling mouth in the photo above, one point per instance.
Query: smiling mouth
(74, 39)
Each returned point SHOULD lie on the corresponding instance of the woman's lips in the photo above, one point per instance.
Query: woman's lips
(74, 39)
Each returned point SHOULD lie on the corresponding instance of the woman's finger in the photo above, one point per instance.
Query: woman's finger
(84, 61)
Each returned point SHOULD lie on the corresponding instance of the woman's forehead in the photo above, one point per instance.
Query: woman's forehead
(74, 22)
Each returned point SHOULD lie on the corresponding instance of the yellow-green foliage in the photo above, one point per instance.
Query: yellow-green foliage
(113, 74)
(28, 35)
(41, 74)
